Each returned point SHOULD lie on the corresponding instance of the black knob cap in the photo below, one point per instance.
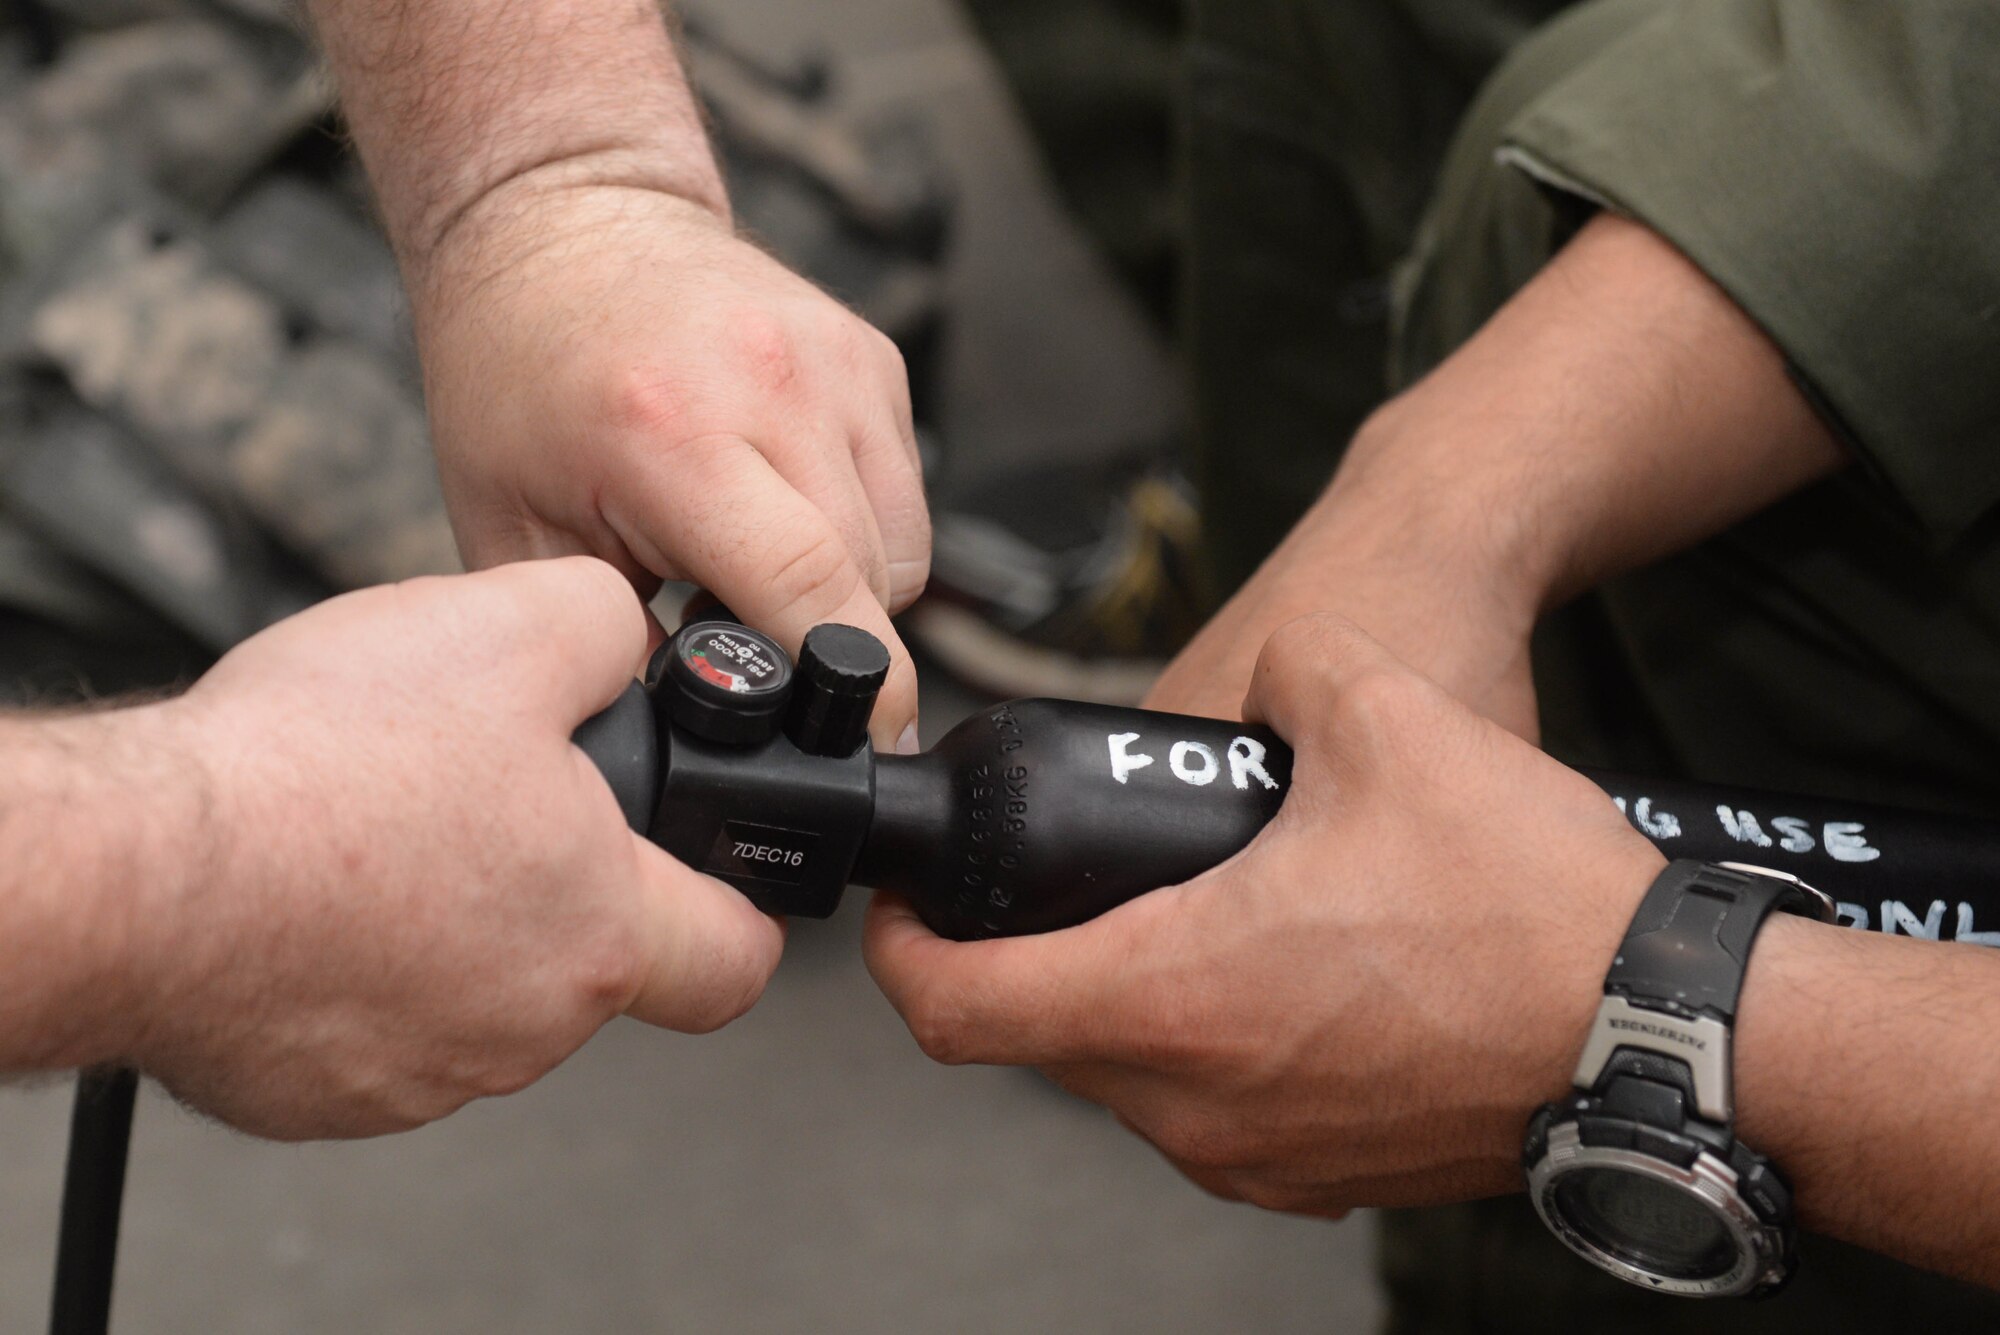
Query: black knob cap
(841, 671)
(726, 683)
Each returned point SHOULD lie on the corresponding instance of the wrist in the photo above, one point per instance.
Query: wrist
(539, 208)
(1563, 929)
(1781, 1063)
(122, 812)
(177, 859)
(1561, 440)
(456, 105)
(1422, 577)
(1595, 918)
(1402, 499)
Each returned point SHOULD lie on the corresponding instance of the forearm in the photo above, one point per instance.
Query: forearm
(103, 829)
(458, 104)
(1618, 409)
(1865, 1068)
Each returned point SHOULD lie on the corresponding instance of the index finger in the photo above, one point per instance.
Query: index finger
(743, 532)
(584, 627)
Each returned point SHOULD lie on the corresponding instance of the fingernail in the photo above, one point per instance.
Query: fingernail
(907, 744)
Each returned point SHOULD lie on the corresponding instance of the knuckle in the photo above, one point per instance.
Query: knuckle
(1293, 656)
(393, 1105)
(937, 1031)
(502, 621)
(639, 401)
(864, 354)
(1201, 1142)
(815, 576)
(765, 351)
(725, 1005)
(842, 331)
(609, 975)
(917, 531)
(1217, 1185)
(937, 1040)
(1317, 637)
(409, 595)
(903, 509)
(502, 1078)
(1376, 703)
(494, 1064)
(475, 602)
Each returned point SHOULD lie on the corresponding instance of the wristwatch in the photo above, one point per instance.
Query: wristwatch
(1639, 1170)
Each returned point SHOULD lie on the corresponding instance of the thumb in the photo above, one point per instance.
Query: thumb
(1023, 1001)
(709, 952)
(578, 629)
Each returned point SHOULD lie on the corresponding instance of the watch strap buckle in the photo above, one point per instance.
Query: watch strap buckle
(1802, 900)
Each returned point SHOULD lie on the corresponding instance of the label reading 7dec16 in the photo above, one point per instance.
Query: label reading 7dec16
(761, 853)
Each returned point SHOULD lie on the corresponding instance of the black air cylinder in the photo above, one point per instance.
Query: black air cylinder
(1042, 814)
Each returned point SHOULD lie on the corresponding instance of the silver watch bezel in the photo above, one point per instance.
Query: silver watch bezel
(1759, 1246)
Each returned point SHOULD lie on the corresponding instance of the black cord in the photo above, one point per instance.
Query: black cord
(100, 1140)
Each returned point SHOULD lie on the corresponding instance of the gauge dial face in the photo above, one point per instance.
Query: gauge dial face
(733, 659)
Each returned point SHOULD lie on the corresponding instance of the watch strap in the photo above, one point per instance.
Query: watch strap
(1652, 1096)
(1689, 944)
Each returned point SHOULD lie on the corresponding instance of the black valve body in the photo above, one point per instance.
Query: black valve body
(782, 826)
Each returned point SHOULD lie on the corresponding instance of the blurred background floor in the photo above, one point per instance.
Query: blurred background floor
(807, 1170)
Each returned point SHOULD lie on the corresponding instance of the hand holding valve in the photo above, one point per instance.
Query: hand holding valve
(399, 887)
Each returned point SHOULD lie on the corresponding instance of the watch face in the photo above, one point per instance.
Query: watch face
(1655, 1226)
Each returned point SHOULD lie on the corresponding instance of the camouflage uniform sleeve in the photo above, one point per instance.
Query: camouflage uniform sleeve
(1835, 166)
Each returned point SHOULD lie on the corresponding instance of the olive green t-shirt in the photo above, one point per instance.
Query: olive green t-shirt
(1834, 165)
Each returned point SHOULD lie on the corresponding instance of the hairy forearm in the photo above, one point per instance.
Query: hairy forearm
(1865, 1069)
(103, 829)
(1619, 408)
(458, 104)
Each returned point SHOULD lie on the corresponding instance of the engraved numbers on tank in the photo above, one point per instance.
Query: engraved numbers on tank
(997, 812)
